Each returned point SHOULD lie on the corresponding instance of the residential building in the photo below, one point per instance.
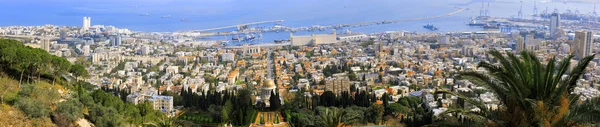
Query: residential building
(162, 103)
(337, 84)
(227, 57)
(86, 24)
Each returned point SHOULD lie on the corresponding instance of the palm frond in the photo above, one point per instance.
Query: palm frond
(477, 104)
(531, 93)
(485, 81)
(588, 111)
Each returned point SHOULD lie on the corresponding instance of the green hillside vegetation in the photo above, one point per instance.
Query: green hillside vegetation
(39, 89)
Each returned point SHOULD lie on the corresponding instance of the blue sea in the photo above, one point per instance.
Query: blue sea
(203, 14)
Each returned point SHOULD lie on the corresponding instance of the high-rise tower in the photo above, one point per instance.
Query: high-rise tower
(583, 41)
(86, 23)
(520, 44)
(554, 25)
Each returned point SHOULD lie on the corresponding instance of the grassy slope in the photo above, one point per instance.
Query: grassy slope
(11, 115)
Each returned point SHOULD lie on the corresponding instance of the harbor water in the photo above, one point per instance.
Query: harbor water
(181, 15)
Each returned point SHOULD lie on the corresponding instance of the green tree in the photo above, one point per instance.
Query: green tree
(145, 109)
(83, 61)
(79, 71)
(41, 61)
(71, 109)
(397, 110)
(302, 120)
(17, 58)
(275, 101)
(105, 117)
(374, 113)
(226, 111)
(385, 99)
(352, 76)
(530, 93)
(60, 66)
(298, 101)
(244, 111)
(328, 99)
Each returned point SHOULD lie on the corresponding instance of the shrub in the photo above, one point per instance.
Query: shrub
(32, 108)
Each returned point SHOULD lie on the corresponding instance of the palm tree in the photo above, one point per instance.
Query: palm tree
(530, 93)
(334, 117)
(167, 121)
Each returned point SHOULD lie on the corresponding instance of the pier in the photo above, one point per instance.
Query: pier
(405, 20)
(239, 26)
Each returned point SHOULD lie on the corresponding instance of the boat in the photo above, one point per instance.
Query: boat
(430, 27)
(184, 20)
(246, 38)
(168, 16)
(488, 26)
(145, 14)
(475, 23)
(260, 36)
(250, 37)
(236, 38)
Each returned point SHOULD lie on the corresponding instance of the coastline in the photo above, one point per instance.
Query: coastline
(584, 1)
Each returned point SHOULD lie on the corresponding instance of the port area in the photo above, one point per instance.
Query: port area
(243, 29)
(506, 24)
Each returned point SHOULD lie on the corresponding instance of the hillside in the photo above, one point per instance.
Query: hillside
(29, 105)
(34, 92)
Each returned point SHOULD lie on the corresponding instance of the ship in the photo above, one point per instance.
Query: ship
(250, 37)
(280, 41)
(168, 16)
(430, 27)
(236, 38)
(246, 38)
(491, 26)
(475, 23)
(184, 20)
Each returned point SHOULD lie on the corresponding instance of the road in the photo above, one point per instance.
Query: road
(269, 63)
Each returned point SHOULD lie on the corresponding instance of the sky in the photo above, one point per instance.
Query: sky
(215, 13)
